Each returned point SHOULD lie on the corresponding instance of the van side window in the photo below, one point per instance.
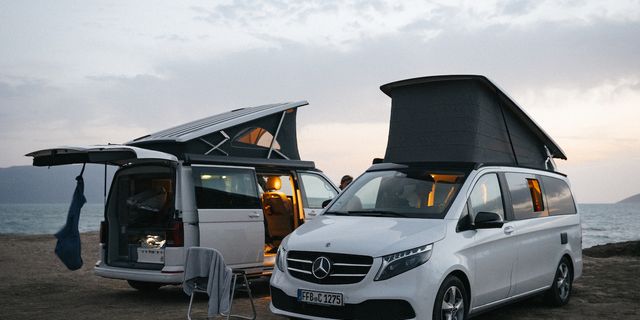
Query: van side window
(559, 198)
(486, 196)
(225, 188)
(316, 190)
(526, 196)
(536, 194)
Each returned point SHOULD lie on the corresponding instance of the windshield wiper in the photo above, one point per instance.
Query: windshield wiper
(338, 213)
(377, 213)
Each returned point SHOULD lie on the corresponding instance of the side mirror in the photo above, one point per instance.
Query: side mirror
(487, 220)
(326, 203)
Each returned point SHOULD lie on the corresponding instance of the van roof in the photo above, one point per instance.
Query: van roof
(204, 126)
(266, 131)
(463, 118)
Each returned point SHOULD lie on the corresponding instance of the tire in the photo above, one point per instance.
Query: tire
(144, 286)
(560, 291)
(452, 300)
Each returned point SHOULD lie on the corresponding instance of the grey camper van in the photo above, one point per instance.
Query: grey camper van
(233, 181)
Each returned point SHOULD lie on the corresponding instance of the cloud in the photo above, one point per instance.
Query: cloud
(99, 74)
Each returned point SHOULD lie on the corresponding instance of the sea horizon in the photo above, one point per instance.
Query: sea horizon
(47, 218)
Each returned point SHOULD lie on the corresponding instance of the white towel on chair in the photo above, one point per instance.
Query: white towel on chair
(208, 263)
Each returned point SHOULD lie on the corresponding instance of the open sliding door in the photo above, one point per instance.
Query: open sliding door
(230, 213)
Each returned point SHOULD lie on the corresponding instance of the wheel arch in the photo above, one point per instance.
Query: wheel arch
(460, 274)
(571, 262)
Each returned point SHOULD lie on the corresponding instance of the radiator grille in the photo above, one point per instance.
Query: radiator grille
(345, 268)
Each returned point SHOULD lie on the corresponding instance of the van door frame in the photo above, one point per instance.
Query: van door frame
(295, 192)
(503, 238)
(310, 213)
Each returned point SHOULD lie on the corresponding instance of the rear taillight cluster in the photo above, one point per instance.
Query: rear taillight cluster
(175, 234)
(104, 231)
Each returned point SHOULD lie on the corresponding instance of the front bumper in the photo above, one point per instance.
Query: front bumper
(406, 296)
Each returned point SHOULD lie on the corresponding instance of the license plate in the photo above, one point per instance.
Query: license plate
(149, 255)
(320, 297)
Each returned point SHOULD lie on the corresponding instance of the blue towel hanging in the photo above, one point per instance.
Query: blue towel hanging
(68, 246)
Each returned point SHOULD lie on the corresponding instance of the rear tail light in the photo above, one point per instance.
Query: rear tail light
(104, 231)
(175, 235)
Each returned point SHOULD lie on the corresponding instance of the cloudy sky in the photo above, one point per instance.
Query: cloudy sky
(77, 72)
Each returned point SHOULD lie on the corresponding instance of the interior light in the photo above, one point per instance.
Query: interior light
(206, 176)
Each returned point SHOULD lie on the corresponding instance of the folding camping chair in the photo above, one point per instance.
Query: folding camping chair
(200, 283)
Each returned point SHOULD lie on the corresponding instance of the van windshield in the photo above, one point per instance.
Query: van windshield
(408, 193)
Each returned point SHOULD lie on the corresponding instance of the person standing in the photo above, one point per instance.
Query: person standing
(345, 181)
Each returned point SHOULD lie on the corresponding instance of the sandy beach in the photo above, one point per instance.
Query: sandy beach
(35, 285)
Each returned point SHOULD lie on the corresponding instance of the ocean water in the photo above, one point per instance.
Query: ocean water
(46, 218)
(607, 223)
(601, 223)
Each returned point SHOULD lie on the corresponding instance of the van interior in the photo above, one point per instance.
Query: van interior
(280, 204)
(140, 216)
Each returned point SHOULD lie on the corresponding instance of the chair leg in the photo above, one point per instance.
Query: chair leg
(231, 295)
(253, 307)
(246, 289)
(193, 293)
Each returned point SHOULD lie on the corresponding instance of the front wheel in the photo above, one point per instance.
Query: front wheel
(560, 291)
(144, 286)
(451, 301)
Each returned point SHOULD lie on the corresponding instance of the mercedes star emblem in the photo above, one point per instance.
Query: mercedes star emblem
(321, 267)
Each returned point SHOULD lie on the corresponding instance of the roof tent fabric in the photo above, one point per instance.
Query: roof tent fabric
(462, 119)
(226, 131)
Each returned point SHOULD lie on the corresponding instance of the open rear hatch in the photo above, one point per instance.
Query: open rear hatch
(140, 216)
(103, 154)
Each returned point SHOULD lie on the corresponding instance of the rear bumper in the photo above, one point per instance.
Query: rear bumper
(168, 275)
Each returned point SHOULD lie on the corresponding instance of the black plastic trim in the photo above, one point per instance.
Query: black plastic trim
(382, 309)
(191, 158)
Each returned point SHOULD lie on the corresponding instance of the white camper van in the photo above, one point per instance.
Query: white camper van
(233, 182)
(466, 212)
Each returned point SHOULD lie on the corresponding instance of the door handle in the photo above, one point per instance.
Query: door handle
(508, 230)
(254, 215)
(312, 213)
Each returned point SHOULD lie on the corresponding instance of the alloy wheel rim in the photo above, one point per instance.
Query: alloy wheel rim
(563, 282)
(453, 304)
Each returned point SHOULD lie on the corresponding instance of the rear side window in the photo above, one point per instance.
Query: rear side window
(559, 198)
(225, 188)
(526, 196)
(536, 194)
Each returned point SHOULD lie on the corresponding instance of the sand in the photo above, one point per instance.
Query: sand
(35, 285)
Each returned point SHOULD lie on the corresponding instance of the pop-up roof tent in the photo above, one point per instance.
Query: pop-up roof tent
(463, 118)
(263, 135)
(267, 132)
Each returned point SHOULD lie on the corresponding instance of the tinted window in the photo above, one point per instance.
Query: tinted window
(536, 194)
(559, 198)
(225, 188)
(316, 190)
(526, 196)
(486, 196)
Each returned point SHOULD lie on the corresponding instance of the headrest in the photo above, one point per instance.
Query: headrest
(274, 183)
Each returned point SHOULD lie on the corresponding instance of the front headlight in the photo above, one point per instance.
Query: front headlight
(397, 263)
(281, 258)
